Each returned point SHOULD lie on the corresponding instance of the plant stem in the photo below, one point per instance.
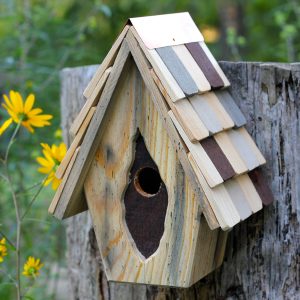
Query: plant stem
(33, 199)
(27, 190)
(7, 239)
(10, 143)
(17, 210)
(9, 276)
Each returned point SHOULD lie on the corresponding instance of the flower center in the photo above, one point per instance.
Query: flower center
(22, 117)
(32, 270)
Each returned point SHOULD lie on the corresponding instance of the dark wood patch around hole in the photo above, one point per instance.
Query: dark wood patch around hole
(146, 201)
(261, 186)
(205, 65)
(218, 158)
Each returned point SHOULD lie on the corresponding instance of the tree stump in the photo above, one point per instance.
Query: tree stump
(262, 258)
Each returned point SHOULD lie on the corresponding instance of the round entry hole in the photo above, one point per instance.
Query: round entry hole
(147, 182)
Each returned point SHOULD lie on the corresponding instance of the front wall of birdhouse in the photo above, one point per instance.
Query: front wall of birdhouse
(188, 249)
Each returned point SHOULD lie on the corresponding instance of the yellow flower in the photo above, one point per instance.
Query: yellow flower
(50, 161)
(32, 267)
(3, 249)
(23, 112)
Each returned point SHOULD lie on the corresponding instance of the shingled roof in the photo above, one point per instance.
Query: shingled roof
(205, 125)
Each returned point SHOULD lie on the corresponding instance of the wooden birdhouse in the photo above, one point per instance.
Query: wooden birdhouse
(160, 157)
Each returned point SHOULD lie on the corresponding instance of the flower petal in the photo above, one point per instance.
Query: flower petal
(45, 163)
(55, 183)
(7, 101)
(17, 101)
(29, 103)
(5, 125)
(34, 112)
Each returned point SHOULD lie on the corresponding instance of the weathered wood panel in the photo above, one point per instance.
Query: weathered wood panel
(262, 257)
(132, 109)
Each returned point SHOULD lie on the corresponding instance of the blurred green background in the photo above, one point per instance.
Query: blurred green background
(39, 38)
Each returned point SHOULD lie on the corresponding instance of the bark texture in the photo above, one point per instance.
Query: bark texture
(262, 259)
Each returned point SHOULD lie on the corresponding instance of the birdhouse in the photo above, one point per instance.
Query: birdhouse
(160, 157)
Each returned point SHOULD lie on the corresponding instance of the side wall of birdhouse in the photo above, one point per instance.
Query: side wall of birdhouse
(188, 249)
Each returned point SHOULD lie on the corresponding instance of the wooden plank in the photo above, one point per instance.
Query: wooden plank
(162, 109)
(250, 192)
(231, 108)
(69, 198)
(91, 101)
(215, 64)
(206, 114)
(167, 30)
(190, 64)
(168, 81)
(60, 188)
(207, 212)
(76, 142)
(106, 63)
(192, 124)
(219, 199)
(231, 152)
(201, 158)
(185, 114)
(243, 148)
(222, 115)
(178, 70)
(205, 64)
(252, 145)
(261, 186)
(218, 158)
(238, 198)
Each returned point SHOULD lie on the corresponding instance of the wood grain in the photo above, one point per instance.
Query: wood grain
(215, 64)
(241, 144)
(60, 188)
(200, 157)
(250, 192)
(106, 63)
(68, 203)
(205, 64)
(219, 110)
(261, 186)
(243, 131)
(229, 149)
(206, 114)
(76, 142)
(238, 198)
(211, 112)
(219, 199)
(192, 67)
(170, 84)
(131, 108)
(184, 113)
(90, 102)
(218, 158)
(231, 108)
(178, 70)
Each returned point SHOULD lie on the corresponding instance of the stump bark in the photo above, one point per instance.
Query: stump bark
(262, 259)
